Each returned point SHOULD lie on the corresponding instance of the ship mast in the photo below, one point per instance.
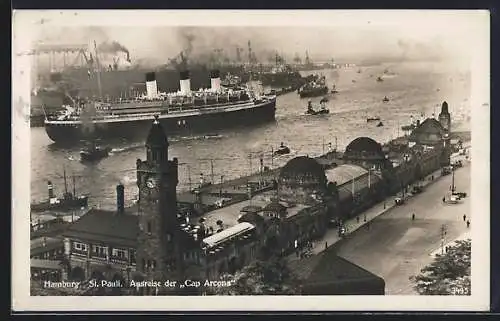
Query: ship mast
(98, 70)
(74, 185)
(65, 182)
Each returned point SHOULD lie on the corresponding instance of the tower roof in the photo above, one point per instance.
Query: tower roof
(156, 136)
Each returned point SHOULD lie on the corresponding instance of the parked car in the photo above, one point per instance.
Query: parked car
(460, 195)
(417, 189)
(446, 170)
(457, 164)
(399, 201)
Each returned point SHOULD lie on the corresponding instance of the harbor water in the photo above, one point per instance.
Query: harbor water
(415, 90)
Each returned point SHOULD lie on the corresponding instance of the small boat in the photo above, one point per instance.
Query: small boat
(209, 136)
(93, 153)
(359, 71)
(379, 79)
(369, 119)
(69, 201)
(334, 90)
(380, 124)
(282, 150)
(322, 111)
(385, 99)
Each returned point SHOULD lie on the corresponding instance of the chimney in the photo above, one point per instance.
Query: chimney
(50, 188)
(185, 82)
(120, 198)
(215, 80)
(151, 86)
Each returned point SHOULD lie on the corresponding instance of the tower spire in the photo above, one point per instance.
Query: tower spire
(157, 143)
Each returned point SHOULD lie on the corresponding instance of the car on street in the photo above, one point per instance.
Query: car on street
(399, 200)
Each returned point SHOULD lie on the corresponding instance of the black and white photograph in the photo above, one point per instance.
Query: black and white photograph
(262, 160)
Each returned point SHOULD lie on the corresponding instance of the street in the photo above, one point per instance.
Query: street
(394, 247)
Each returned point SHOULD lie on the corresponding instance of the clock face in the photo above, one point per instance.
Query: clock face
(150, 183)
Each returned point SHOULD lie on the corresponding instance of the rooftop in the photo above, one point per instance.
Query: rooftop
(105, 226)
(344, 173)
(229, 214)
(233, 231)
(335, 273)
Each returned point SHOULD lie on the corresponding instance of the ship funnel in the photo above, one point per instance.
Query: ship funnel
(185, 82)
(444, 108)
(120, 198)
(215, 80)
(50, 188)
(151, 86)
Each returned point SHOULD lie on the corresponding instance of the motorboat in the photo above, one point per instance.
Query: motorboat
(370, 119)
(282, 150)
(92, 153)
(379, 79)
(380, 124)
(385, 99)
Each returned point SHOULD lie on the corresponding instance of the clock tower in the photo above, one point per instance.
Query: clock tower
(159, 254)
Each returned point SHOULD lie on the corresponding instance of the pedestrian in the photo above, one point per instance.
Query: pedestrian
(384, 205)
(444, 199)
(468, 223)
(357, 219)
(326, 245)
(413, 217)
(465, 217)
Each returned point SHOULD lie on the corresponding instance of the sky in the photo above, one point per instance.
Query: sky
(342, 37)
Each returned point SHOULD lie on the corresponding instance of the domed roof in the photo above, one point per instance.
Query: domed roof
(302, 166)
(156, 136)
(364, 144)
(274, 207)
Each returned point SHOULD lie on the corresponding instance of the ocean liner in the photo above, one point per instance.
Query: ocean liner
(185, 111)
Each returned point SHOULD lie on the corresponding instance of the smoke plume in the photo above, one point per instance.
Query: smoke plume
(112, 47)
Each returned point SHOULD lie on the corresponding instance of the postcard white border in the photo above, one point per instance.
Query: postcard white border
(25, 24)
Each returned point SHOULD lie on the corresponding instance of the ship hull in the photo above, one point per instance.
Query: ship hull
(69, 133)
(313, 93)
(65, 205)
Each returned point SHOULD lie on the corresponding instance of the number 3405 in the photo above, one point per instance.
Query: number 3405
(460, 291)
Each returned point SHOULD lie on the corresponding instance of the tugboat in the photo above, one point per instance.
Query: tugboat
(370, 119)
(385, 99)
(69, 201)
(380, 124)
(323, 110)
(379, 79)
(282, 150)
(334, 90)
(92, 153)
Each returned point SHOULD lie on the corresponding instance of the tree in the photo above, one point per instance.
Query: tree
(271, 277)
(448, 274)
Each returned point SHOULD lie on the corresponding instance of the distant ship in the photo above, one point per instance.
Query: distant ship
(280, 76)
(314, 88)
(69, 201)
(182, 111)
